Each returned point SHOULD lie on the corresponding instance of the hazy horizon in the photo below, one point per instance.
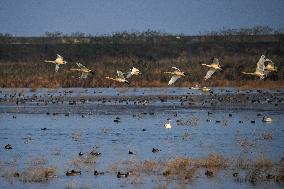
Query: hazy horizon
(35, 17)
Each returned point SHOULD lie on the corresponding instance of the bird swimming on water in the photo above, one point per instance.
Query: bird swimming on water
(168, 124)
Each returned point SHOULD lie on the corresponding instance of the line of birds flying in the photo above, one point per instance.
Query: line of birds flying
(261, 71)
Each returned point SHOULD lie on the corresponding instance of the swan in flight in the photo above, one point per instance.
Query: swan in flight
(58, 61)
(175, 75)
(133, 71)
(168, 124)
(270, 67)
(85, 71)
(213, 67)
(260, 68)
(120, 78)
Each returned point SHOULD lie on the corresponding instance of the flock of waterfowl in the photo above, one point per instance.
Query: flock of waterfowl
(261, 71)
(249, 97)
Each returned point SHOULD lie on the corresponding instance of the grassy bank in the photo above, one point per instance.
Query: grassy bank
(22, 60)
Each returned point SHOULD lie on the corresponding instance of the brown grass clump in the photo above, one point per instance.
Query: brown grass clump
(242, 163)
(259, 170)
(114, 167)
(215, 161)
(191, 122)
(185, 136)
(10, 174)
(245, 143)
(37, 161)
(263, 163)
(267, 136)
(105, 130)
(70, 185)
(280, 172)
(84, 161)
(76, 136)
(184, 168)
(161, 187)
(38, 174)
(225, 122)
(147, 166)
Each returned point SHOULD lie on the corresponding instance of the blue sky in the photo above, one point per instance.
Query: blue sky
(35, 17)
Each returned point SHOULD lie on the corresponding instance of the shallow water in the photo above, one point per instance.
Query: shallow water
(58, 145)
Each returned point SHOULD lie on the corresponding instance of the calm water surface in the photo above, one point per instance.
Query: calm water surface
(58, 144)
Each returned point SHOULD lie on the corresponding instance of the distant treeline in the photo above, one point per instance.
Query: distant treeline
(256, 30)
(22, 58)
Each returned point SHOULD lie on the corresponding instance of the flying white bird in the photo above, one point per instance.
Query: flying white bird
(270, 67)
(133, 71)
(85, 71)
(175, 75)
(213, 67)
(120, 77)
(58, 61)
(260, 68)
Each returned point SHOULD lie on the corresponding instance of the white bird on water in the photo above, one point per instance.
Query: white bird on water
(267, 119)
(168, 124)
(175, 75)
(203, 89)
(58, 61)
(120, 78)
(260, 68)
(213, 67)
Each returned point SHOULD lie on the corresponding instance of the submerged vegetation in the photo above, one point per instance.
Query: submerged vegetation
(187, 168)
(22, 58)
(179, 168)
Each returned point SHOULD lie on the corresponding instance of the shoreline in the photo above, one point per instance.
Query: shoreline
(118, 100)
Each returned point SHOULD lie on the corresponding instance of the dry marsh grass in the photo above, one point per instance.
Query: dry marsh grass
(191, 122)
(76, 136)
(71, 185)
(152, 55)
(11, 174)
(267, 135)
(259, 171)
(178, 168)
(37, 174)
(215, 161)
(35, 170)
(182, 168)
(254, 170)
(280, 172)
(148, 166)
(84, 161)
(39, 160)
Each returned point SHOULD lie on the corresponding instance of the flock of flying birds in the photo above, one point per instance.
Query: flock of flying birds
(261, 71)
